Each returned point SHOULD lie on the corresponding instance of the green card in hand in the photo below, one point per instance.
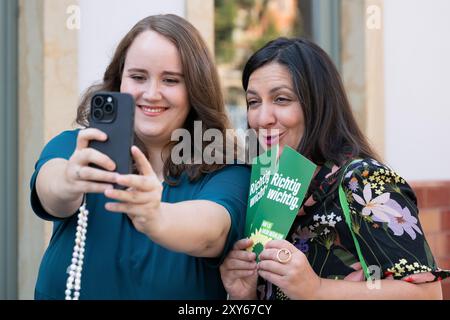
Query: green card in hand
(276, 192)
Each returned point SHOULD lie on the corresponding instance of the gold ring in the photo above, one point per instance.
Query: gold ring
(286, 252)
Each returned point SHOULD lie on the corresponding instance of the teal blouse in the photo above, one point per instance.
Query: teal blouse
(122, 263)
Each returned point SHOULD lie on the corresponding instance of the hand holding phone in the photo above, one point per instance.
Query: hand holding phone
(113, 113)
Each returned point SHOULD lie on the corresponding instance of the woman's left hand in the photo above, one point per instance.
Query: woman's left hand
(289, 271)
(141, 201)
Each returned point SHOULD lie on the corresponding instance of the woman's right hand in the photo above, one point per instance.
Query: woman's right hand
(238, 271)
(79, 177)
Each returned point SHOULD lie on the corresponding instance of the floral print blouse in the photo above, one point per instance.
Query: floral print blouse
(384, 217)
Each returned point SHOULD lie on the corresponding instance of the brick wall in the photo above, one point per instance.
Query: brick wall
(434, 204)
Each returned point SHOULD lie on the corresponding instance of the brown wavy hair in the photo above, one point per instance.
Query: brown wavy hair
(202, 84)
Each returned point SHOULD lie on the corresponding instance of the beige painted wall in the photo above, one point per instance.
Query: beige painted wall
(201, 14)
(352, 57)
(60, 67)
(362, 55)
(31, 137)
(374, 55)
(47, 103)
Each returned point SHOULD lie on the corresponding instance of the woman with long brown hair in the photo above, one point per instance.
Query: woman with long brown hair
(295, 94)
(164, 236)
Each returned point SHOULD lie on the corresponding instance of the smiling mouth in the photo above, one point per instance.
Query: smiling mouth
(272, 140)
(152, 111)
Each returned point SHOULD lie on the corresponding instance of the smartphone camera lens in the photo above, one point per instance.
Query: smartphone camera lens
(97, 114)
(108, 108)
(98, 101)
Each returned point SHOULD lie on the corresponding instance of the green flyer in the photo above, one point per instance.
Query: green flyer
(277, 189)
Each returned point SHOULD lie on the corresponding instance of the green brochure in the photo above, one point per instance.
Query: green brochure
(277, 189)
(262, 167)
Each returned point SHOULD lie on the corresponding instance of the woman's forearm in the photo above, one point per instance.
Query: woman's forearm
(198, 228)
(52, 193)
(377, 290)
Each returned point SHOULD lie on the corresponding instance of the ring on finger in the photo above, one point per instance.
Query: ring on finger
(284, 255)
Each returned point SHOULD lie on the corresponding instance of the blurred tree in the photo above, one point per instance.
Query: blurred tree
(241, 28)
(225, 14)
(247, 4)
(254, 16)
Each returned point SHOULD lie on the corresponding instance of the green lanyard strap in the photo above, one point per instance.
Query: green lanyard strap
(348, 220)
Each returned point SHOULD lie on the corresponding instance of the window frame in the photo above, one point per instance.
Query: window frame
(324, 26)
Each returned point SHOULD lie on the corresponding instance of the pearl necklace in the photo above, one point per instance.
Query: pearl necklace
(75, 268)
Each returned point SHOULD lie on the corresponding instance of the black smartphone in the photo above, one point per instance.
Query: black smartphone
(113, 113)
